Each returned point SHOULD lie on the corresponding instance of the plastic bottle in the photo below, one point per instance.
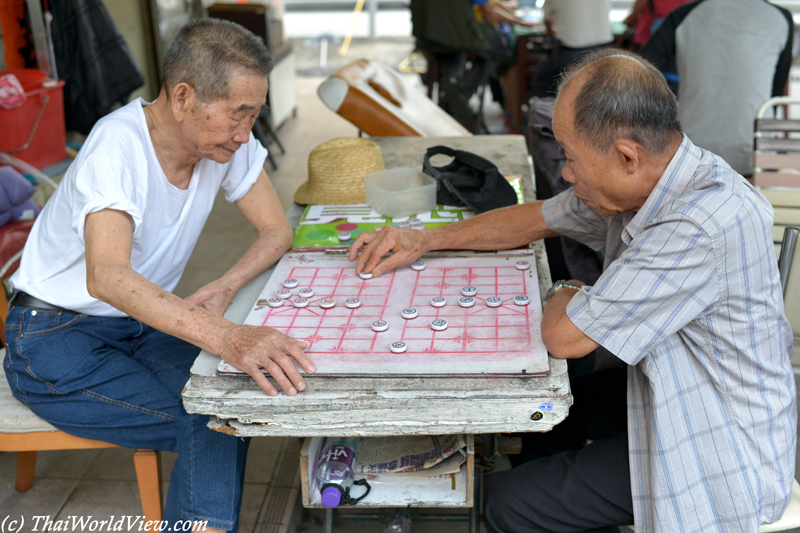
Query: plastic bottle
(399, 524)
(335, 469)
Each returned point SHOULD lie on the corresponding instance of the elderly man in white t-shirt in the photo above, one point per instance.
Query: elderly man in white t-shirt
(578, 27)
(97, 344)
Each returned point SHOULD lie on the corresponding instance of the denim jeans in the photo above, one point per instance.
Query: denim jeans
(120, 381)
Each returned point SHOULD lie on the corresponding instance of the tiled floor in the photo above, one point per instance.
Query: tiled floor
(102, 483)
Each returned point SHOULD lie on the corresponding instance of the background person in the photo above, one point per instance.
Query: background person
(646, 16)
(731, 56)
(578, 27)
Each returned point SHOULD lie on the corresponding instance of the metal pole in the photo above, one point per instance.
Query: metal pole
(475, 511)
(373, 13)
(790, 235)
(39, 36)
(328, 525)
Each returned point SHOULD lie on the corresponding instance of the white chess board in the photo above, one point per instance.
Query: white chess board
(478, 340)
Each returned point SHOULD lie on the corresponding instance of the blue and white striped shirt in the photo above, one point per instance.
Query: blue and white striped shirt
(690, 299)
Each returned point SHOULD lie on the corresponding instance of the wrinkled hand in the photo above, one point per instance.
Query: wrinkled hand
(406, 245)
(212, 297)
(251, 348)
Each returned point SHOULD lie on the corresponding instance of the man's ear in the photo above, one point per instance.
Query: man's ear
(629, 153)
(182, 99)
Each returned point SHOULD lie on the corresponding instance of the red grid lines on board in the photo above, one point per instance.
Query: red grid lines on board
(475, 329)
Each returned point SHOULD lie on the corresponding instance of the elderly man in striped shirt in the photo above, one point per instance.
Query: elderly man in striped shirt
(689, 303)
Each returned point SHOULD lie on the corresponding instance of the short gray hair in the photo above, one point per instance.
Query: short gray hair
(624, 96)
(205, 53)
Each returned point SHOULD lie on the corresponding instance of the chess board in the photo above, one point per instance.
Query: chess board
(478, 340)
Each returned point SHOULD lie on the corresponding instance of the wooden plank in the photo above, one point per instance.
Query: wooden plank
(776, 161)
(26, 467)
(148, 477)
(47, 440)
(771, 124)
(782, 196)
(787, 145)
(470, 471)
(415, 417)
(776, 179)
(304, 471)
(788, 216)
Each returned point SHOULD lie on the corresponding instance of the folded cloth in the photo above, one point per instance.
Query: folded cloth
(11, 92)
(15, 197)
(15, 185)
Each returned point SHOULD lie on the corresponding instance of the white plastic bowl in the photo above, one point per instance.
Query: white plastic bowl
(399, 192)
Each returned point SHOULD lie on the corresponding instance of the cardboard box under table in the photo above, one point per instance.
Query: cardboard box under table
(415, 493)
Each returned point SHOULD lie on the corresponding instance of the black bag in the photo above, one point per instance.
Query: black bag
(469, 180)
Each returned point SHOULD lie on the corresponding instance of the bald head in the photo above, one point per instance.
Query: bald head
(616, 94)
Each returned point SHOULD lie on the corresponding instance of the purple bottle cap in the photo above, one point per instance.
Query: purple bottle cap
(331, 497)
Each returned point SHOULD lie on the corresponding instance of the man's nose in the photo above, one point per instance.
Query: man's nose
(242, 134)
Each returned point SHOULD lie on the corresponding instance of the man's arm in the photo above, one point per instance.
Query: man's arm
(495, 12)
(499, 229)
(110, 278)
(262, 209)
(785, 59)
(631, 19)
(561, 337)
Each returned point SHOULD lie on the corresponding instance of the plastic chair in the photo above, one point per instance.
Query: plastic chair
(381, 103)
(776, 158)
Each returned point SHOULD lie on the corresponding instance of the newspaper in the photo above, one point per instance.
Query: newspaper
(403, 455)
(447, 480)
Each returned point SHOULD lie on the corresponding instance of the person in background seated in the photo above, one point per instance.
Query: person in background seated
(463, 50)
(731, 56)
(690, 303)
(646, 16)
(97, 344)
(578, 27)
(500, 15)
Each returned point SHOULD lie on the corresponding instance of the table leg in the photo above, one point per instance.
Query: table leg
(475, 511)
(328, 524)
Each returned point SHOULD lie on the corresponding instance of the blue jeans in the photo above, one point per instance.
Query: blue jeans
(120, 381)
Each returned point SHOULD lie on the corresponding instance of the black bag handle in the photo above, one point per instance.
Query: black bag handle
(346, 499)
(454, 196)
(469, 158)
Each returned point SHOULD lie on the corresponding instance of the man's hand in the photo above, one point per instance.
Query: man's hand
(213, 297)
(406, 245)
(251, 348)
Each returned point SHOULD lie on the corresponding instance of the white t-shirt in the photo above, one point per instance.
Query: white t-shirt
(580, 23)
(117, 168)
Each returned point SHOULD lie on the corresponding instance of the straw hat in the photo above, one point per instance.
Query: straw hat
(336, 171)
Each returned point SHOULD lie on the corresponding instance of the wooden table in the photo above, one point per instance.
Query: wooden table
(383, 406)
